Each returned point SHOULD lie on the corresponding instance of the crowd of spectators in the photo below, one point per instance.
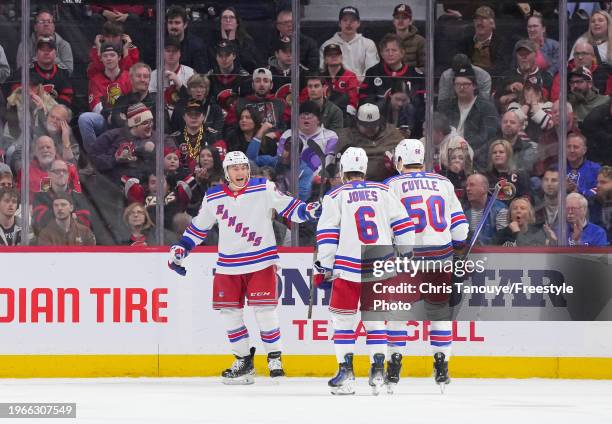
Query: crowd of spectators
(92, 170)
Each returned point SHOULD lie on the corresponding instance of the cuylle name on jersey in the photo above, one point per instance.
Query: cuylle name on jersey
(362, 196)
(411, 185)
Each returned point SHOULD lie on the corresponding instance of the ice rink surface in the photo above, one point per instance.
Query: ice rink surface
(307, 400)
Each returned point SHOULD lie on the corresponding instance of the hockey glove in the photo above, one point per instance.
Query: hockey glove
(313, 210)
(322, 278)
(177, 254)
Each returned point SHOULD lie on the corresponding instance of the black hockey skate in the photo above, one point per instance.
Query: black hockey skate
(394, 367)
(377, 373)
(344, 382)
(441, 371)
(275, 365)
(242, 370)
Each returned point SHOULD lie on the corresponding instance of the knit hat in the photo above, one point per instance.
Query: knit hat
(137, 114)
(171, 149)
(310, 107)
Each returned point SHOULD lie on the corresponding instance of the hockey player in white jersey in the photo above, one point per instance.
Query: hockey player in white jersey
(246, 266)
(358, 213)
(440, 228)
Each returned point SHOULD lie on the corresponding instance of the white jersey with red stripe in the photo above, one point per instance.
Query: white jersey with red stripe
(246, 237)
(357, 214)
(439, 222)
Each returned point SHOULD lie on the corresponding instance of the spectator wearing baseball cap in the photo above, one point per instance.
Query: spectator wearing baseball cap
(107, 86)
(343, 88)
(227, 76)
(412, 43)
(446, 88)
(526, 70)
(112, 31)
(280, 67)
(358, 52)
(376, 137)
(474, 117)
(582, 95)
(175, 73)
(483, 46)
(309, 50)
(45, 71)
(263, 99)
(198, 87)
(44, 27)
(232, 29)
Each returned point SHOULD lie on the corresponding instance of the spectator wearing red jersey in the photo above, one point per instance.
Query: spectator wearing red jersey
(44, 27)
(344, 85)
(272, 110)
(112, 32)
(53, 77)
(44, 156)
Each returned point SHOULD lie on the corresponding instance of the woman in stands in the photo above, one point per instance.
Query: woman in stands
(547, 57)
(140, 227)
(522, 230)
(502, 168)
(600, 36)
(239, 135)
(232, 29)
(208, 170)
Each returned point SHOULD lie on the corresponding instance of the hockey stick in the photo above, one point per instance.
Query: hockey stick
(321, 155)
(485, 216)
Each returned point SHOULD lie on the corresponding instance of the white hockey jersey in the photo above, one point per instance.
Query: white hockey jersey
(357, 214)
(246, 237)
(439, 222)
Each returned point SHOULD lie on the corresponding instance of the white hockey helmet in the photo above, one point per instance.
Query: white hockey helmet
(235, 157)
(354, 159)
(410, 151)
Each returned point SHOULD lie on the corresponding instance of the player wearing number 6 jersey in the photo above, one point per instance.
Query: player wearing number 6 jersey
(440, 227)
(356, 214)
(246, 267)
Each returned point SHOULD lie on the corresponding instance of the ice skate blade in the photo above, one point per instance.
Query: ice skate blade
(391, 388)
(240, 381)
(376, 385)
(443, 386)
(344, 390)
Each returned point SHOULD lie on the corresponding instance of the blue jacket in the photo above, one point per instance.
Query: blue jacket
(488, 229)
(585, 177)
(592, 235)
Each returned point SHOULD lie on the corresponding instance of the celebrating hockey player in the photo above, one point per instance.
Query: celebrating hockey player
(440, 227)
(359, 213)
(248, 255)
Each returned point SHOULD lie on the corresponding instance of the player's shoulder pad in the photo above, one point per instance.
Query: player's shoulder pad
(335, 191)
(436, 176)
(393, 178)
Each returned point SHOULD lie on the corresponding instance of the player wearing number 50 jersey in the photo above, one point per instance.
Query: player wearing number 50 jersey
(357, 214)
(440, 227)
(246, 267)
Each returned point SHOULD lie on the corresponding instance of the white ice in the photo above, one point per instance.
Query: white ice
(307, 400)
